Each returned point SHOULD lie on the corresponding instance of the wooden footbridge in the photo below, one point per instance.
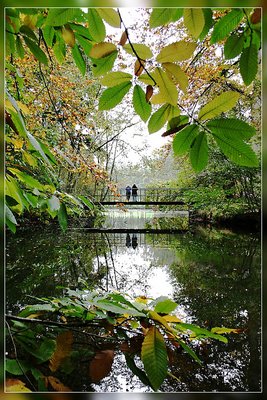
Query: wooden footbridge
(145, 196)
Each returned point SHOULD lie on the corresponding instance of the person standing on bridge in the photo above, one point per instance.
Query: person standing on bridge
(134, 192)
(128, 192)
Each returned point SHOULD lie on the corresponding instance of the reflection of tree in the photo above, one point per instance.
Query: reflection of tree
(218, 280)
(54, 259)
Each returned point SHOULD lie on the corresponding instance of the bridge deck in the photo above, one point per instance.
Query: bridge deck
(142, 203)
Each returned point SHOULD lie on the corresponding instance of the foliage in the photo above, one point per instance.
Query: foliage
(105, 316)
(160, 78)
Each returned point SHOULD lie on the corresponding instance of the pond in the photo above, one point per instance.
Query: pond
(214, 275)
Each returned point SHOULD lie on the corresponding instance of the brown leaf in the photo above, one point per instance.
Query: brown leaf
(138, 67)
(63, 349)
(101, 365)
(149, 92)
(173, 130)
(256, 16)
(57, 385)
(68, 35)
(123, 39)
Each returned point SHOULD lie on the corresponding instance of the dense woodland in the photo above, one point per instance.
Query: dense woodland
(77, 80)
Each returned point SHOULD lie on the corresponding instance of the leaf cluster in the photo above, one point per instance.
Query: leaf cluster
(111, 315)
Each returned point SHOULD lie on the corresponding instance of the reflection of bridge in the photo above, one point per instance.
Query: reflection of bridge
(145, 196)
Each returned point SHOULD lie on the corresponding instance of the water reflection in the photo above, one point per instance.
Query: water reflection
(213, 275)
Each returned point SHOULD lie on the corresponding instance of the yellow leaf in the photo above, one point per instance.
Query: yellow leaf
(166, 87)
(158, 98)
(102, 49)
(9, 106)
(194, 21)
(178, 51)
(63, 349)
(57, 385)
(30, 20)
(171, 318)
(23, 108)
(28, 158)
(17, 143)
(15, 385)
(68, 36)
(156, 317)
(177, 74)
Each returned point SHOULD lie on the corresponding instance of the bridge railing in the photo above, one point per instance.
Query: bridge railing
(143, 194)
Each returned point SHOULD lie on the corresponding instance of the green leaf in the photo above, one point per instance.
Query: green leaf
(226, 25)
(60, 16)
(27, 179)
(96, 26)
(10, 219)
(137, 371)
(12, 190)
(154, 357)
(16, 368)
(161, 16)
(208, 23)
(110, 16)
(36, 51)
(86, 44)
(188, 350)
(48, 33)
(115, 78)
(183, 139)
(194, 21)
(141, 106)
(178, 51)
(167, 88)
(86, 202)
(232, 127)
(62, 217)
(199, 152)
(233, 46)
(59, 49)
(101, 66)
(113, 96)
(141, 50)
(177, 74)
(46, 350)
(28, 32)
(33, 309)
(165, 306)
(236, 150)
(159, 118)
(117, 308)
(81, 31)
(249, 64)
(223, 102)
(78, 58)
(19, 47)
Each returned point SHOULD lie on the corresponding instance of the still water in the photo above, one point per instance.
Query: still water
(214, 276)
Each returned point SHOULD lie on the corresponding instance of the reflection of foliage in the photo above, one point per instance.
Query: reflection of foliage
(142, 327)
(220, 276)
